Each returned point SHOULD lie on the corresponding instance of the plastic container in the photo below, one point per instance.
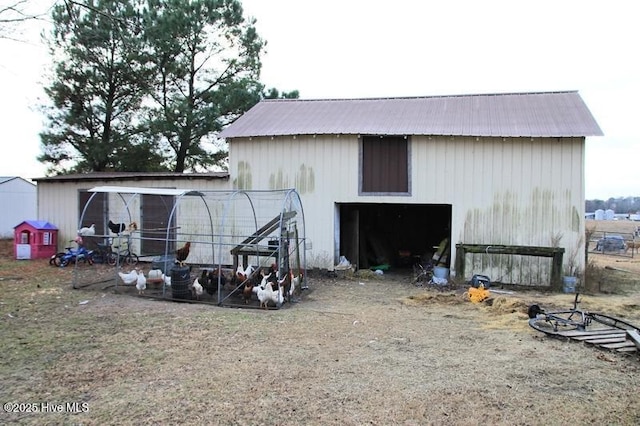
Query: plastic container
(480, 280)
(180, 281)
(569, 284)
(164, 263)
(441, 272)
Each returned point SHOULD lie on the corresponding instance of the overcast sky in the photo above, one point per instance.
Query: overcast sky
(374, 48)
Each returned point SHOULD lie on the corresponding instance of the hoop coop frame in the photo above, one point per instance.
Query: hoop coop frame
(228, 231)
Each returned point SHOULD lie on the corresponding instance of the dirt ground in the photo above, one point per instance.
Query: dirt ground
(351, 351)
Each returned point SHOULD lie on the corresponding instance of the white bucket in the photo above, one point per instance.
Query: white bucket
(441, 272)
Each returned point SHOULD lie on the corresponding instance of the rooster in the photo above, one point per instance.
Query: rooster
(116, 228)
(182, 253)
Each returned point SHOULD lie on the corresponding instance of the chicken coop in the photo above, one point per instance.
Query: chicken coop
(194, 245)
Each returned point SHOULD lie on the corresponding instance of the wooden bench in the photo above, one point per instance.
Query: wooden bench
(556, 253)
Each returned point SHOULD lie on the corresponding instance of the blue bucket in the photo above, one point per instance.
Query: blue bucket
(569, 284)
(441, 272)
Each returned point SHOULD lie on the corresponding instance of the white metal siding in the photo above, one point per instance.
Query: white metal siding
(58, 201)
(323, 169)
(520, 191)
(18, 197)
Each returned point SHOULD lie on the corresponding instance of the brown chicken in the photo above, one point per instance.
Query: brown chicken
(244, 277)
(212, 281)
(182, 253)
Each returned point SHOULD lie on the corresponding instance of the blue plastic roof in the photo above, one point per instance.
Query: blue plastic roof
(38, 224)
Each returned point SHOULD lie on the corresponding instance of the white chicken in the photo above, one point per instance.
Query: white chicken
(129, 277)
(295, 283)
(263, 293)
(277, 297)
(141, 283)
(167, 280)
(197, 289)
(267, 294)
(87, 231)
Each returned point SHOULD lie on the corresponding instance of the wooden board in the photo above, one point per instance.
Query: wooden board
(574, 333)
(619, 345)
(613, 335)
(607, 338)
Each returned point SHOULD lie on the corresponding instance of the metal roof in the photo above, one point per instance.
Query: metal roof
(143, 191)
(542, 114)
(101, 176)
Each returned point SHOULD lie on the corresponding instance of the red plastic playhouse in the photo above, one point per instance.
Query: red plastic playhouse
(35, 239)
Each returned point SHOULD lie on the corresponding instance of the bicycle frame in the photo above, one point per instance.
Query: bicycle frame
(63, 259)
(562, 322)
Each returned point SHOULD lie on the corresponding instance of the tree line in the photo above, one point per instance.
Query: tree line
(146, 85)
(629, 205)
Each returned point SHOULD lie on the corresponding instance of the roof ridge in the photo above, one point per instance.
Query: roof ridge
(381, 98)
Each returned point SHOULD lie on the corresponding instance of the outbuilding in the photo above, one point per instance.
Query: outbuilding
(389, 178)
(21, 195)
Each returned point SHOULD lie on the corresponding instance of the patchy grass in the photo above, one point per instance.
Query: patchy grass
(368, 350)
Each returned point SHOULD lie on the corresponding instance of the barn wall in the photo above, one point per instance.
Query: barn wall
(58, 200)
(519, 191)
(20, 195)
(323, 169)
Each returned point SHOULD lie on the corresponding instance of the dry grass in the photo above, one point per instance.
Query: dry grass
(364, 350)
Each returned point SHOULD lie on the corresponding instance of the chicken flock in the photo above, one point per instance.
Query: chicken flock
(262, 285)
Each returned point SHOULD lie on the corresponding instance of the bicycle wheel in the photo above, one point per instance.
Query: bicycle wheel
(111, 258)
(556, 323)
(56, 260)
(131, 259)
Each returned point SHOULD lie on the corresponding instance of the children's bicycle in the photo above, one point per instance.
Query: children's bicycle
(122, 255)
(71, 255)
(564, 323)
(106, 254)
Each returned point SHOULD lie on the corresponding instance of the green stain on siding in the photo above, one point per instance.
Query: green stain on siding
(277, 180)
(305, 179)
(244, 179)
(575, 220)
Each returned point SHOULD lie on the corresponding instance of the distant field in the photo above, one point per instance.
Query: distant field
(628, 261)
(618, 226)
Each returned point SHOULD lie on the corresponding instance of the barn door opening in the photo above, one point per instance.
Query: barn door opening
(93, 212)
(154, 216)
(373, 234)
